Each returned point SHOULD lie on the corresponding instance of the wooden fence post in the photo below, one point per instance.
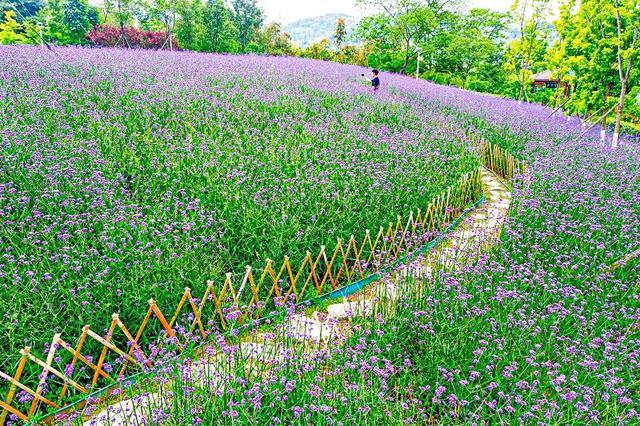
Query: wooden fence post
(12, 390)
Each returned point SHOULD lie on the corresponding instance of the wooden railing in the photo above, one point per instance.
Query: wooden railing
(501, 161)
(69, 373)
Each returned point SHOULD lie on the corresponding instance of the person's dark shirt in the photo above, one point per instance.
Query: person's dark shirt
(375, 82)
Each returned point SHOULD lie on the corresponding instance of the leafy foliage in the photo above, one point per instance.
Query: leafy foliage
(10, 30)
(76, 20)
(464, 49)
(23, 9)
(593, 52)
(247, 18)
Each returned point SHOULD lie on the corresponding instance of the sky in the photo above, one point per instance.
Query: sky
(286, 11)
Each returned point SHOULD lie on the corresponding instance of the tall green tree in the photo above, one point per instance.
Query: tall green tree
(584, 53)
(456, 47)
(221, 34)
(406, 27)
(470, 48)
(75, 16)
(93, 15)
(526, 54)
(627, 52)
(381, 42)
(272, 41)
(189, 27)
(52, 19)
(248, 18)
(598, 46)
(407, 23)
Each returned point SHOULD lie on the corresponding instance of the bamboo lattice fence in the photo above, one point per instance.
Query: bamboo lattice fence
(70, 373)
(500, 161)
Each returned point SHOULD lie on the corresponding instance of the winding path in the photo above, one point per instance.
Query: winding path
(317, 329)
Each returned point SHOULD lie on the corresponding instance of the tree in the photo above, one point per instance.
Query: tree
(189, 27)
(381, 43)
(93, 15)
(526, 54)
(75, 15)
(627, 21)
(318, 50)
(10, 29)
(272, 41)
(350, 54)
(408, 23)
(53, 22)
(248, 18)
(340, 33)
(460, 48)
(469, 47)
(122, 12)
(165, 12)
(584, 52)
(28, 13)
(598, 45)
(23, 9)
(220, 33)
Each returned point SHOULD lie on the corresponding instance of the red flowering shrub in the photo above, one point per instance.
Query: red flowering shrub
(110, 36)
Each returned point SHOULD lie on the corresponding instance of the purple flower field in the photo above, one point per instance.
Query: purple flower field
(543, 329)
(127, 175)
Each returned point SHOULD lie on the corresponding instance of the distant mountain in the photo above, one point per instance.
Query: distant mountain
(309, 30)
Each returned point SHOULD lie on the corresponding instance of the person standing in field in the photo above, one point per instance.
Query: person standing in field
(375, 79)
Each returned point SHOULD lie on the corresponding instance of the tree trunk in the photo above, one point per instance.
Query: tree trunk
(616, 131)
(603, 129)
(125, 42)
(624, 76)
(405, 64)
(522, 89)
